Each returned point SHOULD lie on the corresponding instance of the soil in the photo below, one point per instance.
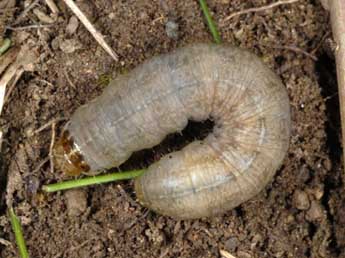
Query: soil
(301, 213)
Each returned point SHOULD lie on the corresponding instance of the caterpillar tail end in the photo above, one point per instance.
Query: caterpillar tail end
(67, 158)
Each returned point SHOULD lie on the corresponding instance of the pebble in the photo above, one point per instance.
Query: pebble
(76, 201)
(32, 184)
(69, 46)
(43, 17)
(231, 244)
(304, 175)
(327, 164)
(172, 29)
(72, 25)
(300, 200)
(55, 43)
(318, 192)
(111, 16)
(315, 212)
(155, 235)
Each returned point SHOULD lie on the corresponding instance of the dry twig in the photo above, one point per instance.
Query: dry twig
(226, 254)
(7, 59)
(40, 165)
(69, 79)
(43, 17)
(258, 9)
(97, 35)
(297, 50)
(52, 6)
(24, 13)
(33, 26)
(46, 125)
(5, 242)
(126, 196)
(25, 58)
(17, 76)
(51, 154)
(320, 43)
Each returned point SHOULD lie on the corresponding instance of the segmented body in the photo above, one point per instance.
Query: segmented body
(247, 102)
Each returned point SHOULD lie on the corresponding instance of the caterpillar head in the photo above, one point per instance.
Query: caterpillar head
(67, 157)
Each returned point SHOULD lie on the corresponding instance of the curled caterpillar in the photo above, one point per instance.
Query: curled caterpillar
(232, 87)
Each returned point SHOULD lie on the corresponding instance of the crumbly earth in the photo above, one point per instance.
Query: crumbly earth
(300, 214)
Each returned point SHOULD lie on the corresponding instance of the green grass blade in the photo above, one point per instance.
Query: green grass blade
(18, 232)
(92, 180)
(6, 43)
(212, 26)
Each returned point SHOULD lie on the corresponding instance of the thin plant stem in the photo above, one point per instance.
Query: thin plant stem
(91, 28)
(259, 9)
(92, 180)
(212, 26)
(18, 232)
(6, 43)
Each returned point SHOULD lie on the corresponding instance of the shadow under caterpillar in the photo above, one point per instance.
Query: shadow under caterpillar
(246, 100)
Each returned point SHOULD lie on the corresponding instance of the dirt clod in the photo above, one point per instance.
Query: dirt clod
(72, 25)
(231, 244)
(76, 201)
(171, 29)
(301, 200)
(69, 46)
(315, 213)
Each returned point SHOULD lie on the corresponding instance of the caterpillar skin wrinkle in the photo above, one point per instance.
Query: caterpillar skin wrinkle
(246, 100)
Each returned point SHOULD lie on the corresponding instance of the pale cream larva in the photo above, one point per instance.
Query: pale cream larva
(246, 100)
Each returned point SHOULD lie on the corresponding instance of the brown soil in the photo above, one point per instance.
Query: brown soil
(300, 214)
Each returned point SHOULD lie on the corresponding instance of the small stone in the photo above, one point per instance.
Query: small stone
(72, 25)
(171, 29)
(315, 212)
(303, 175)
(43, 17)
(290, 219)
(70, 45)
(143, 16)
(239, 34)
(300, 200)
(55, 43)
(32, 184)
(231, 244)
(44, 35)
(111, 16)
(29, 131)
(76, 202)
(327, 164)
(318, 192)
(155, 235)
(36, 95)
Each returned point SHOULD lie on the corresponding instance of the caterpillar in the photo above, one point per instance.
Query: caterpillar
(246, 100)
